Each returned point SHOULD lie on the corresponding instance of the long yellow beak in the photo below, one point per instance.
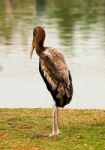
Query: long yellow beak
(31, 52)
(32, 49)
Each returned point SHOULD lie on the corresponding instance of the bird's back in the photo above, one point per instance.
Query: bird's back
(56, 75)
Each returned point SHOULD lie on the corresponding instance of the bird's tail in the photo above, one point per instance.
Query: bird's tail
(64, 94)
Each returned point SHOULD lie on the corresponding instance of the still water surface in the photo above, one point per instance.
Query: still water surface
(77, 28)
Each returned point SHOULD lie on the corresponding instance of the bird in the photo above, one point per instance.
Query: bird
(55, 73)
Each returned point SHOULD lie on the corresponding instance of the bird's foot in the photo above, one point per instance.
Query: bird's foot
(53, 134)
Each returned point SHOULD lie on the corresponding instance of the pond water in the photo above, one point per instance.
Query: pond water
(75, 27)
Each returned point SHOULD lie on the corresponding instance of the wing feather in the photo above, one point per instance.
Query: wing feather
(55, 64)
(55, 73)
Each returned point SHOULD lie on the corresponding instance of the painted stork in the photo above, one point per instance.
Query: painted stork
(54, 72)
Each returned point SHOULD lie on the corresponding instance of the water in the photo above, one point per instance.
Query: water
(77, 28)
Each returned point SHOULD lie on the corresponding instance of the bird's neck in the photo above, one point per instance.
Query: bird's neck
(39, 50)
(39, 46)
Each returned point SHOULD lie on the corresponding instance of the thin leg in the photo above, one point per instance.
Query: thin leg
(57, 121)
(55, 130)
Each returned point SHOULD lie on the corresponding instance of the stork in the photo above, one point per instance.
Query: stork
(55, 73)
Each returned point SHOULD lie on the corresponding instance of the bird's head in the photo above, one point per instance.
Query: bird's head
(38, 40)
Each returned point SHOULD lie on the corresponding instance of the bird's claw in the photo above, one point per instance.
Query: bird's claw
(53, 134)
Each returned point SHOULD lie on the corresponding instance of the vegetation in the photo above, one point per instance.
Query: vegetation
(24, 129)
(17, 15)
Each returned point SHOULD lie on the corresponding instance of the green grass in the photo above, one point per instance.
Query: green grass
(80, 129)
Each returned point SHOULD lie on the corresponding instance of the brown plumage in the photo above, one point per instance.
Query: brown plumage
(54, 71)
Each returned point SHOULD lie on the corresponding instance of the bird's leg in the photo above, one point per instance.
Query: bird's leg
(55, 130)
(57, 121)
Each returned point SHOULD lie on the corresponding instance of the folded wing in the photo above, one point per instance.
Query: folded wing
(56, 75)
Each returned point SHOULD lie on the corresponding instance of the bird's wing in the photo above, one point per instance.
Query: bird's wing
(53, 65)
(56, 75)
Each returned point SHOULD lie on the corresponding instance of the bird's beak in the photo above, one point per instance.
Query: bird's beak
(32, 49)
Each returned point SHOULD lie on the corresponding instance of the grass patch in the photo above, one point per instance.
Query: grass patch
(80, 129)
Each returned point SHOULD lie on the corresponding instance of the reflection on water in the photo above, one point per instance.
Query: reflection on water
(9, 7)
(77, 28)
